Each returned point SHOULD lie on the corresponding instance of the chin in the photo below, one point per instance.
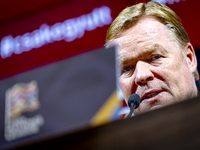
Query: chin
(156, 107)
(149, 109)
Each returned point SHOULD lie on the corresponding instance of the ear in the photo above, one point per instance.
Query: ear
(191, 58)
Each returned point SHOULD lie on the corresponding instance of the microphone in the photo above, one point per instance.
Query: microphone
(133, 103)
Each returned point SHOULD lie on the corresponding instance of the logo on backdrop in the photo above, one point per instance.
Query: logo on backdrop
(22, 98)
(69, 30)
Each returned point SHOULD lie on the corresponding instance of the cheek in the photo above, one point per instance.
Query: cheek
(125, 86)
(170, 73)
(169, 69)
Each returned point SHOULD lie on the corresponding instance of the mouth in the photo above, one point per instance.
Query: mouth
(150, 95)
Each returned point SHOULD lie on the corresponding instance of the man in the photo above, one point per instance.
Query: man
(155, 57)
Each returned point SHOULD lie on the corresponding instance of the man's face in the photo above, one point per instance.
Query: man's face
(152, 65)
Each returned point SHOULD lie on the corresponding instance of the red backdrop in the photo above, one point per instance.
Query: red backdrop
(20, 17)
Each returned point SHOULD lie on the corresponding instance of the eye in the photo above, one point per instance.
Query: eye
(128, 68)
(154, 57)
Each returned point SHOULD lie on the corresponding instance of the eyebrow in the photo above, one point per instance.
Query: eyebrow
(154, 48)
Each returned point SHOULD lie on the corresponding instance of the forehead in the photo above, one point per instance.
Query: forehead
(147, 28)
(147, 35)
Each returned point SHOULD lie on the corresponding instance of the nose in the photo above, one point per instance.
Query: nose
(143, 74)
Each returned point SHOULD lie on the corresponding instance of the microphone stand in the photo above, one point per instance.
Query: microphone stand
(132, 107)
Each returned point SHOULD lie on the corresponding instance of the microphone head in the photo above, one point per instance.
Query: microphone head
(134, 98)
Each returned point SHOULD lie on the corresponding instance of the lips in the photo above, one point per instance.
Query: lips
(150, 94)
